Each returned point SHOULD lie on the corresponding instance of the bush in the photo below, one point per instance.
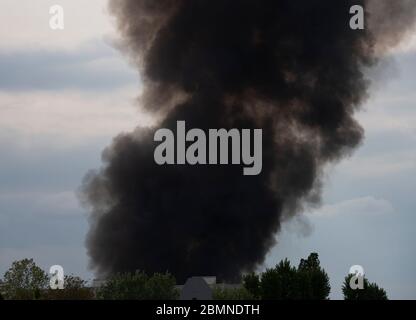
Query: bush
(74, 289)
(139, 286)
(232, 294)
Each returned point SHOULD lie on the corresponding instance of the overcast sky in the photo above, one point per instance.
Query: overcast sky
(65, 94)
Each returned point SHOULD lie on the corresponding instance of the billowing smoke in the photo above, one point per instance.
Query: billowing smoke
(293, 68)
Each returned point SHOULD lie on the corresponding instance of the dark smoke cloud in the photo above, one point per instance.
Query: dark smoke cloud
(291, 67)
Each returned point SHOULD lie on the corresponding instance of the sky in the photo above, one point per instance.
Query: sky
(65, 94)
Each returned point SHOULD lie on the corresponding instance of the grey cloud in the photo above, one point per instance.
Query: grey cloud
(96, 66)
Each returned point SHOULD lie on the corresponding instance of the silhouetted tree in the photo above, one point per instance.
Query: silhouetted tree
(371, 291)
(279, 283)
(312, 281)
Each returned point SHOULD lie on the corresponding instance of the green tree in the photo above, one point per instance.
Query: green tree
(371, 291)
(251, 282)
(24, 280)
(284, 282)
(232, 294)
(139, 286)
(278, 283)
(75, 288)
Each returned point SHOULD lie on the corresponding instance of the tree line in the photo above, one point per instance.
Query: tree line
(24, 280)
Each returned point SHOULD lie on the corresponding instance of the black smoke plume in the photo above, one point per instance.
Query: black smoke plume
(293, 68)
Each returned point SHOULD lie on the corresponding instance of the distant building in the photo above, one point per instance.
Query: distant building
(201, 288)
(197, 288)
